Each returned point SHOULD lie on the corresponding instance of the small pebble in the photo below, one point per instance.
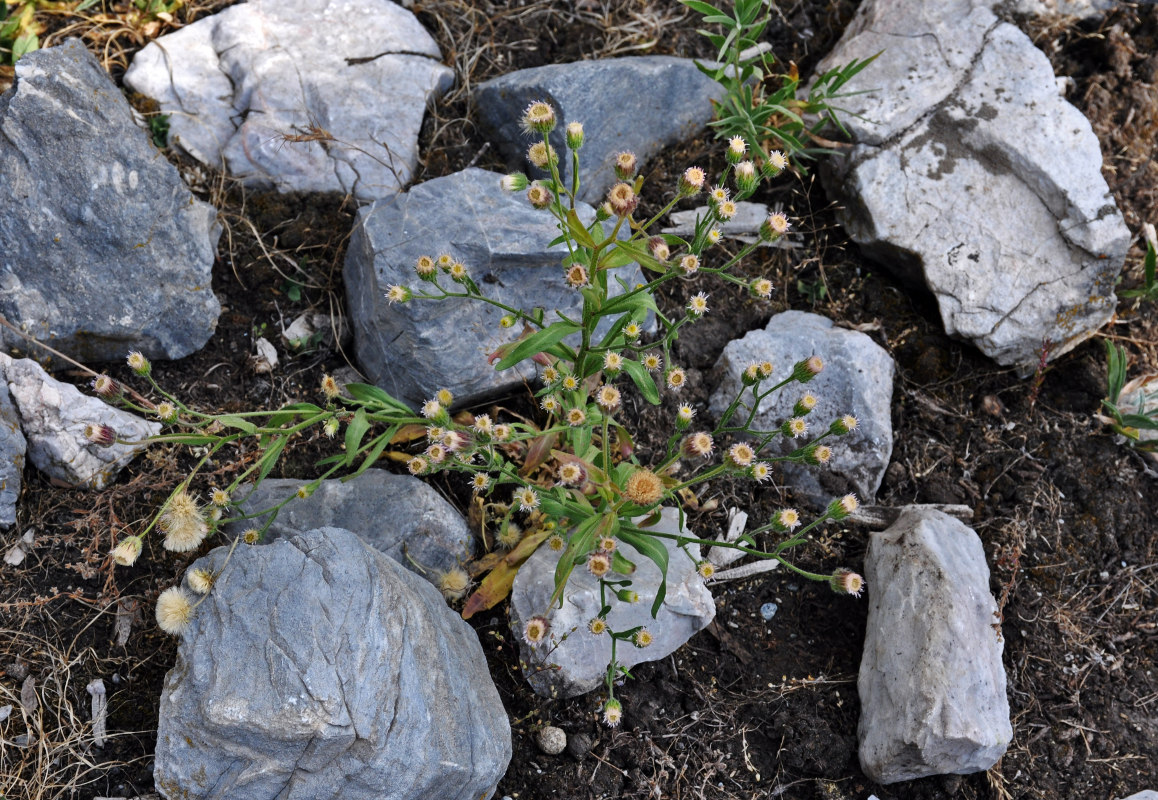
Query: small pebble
(551, 740)
(768, 611)
(579, 746)
(793, 587)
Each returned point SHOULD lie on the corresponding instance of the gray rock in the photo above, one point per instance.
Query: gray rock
(1082, 9)
(1145, 794)
(956, 183)
(104, 249)
(54, 416)
(857, 379)
(398, 515)
(415, 349)
(932, 687)
(237, 83)
(670, 100)
(578, 663)
(318, 668)
(12, 449)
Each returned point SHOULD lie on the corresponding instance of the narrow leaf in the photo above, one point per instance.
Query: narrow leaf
(536, 343)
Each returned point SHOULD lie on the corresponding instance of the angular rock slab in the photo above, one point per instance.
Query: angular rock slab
(579, 663)
(103, 249)
(237, 83)
(857, 379)
(641, 104)
(398, 515)
(931, 684)
(973, 177)
(319, 668)
(414, 349)
(13, 446)
(54, 416)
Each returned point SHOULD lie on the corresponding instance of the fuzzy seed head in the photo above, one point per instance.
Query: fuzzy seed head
(200, 580)
(538, 195)
(183, 522)
(418, 465)
(556, 543)
(576, 417)
(659, 248)
(174, 610)
(436, 453)
(454, 584)
(644, 488)
(625, 165)
(509, 535)
(127, 550)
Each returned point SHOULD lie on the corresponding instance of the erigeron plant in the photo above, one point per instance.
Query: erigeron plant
(574, 482)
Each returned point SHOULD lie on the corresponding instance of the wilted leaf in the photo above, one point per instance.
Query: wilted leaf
(495, 587)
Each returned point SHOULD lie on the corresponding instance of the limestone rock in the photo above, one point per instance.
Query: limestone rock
(857, 379)
(54, 416)
(346, 80)
(318, 668)
(12, 449)
(670, 100)
(398, 515)
(412, 350)
(579, 663)
(955, 182)
(104, 249)
(932, 686)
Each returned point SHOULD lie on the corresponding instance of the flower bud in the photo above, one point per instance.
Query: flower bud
(574, 135)
(106, 387)
(426, 268)
(774, 227)
(622, 200)
(845, 581)
(761, 288)
(397, 294)
(691, 182)
(138, 363)
(775, 164)
(627, 595)
(127, 550)
(515, 182)
(612, 713)
(604, 212)
(542, 154)
(843, 425)
(809, 368)
(737, 147)
(507, 321)
(539, 117)
(746, 178)
(751, 374)
(102, 435)
(625, 165)
(538, 195)
(659, 249)
(804, 405)
(843, 506)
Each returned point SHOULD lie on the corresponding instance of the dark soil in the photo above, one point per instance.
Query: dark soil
(749, 708)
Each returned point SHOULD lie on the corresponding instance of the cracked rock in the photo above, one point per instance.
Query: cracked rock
(299, 95)
(414, 349)
(971, 176)
(317, 669)
(12, 449)
(670, 100)
(54, 416)
(857, 379)
(578, 663)
(931, 684)
(103, 249)
(398, 515)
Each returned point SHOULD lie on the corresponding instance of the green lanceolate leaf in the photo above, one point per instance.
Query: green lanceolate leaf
(581, 542)
(354, 433)
(575, 226)
(270, 457)
(366, 393)
(240, 423)
(652, 548)
(374, 453)
(643, 380)
(537, 342)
